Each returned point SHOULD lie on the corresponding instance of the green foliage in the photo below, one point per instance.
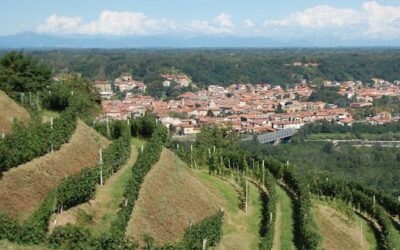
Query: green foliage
(352, 194)
(146, 159)
(265, 178)
(21, 73)
(210, 229)
(329, 95)
(81, 188)
(228, 66)
(144, 126)
(74, 92)
(34, 139)
(31, 231)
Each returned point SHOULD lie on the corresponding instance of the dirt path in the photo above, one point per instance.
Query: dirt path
(283, 237)
(98, 214)
(277, 234)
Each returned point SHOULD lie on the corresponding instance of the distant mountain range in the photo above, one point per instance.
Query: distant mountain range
(37, 40)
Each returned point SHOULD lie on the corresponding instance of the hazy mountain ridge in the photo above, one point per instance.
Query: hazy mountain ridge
(38, 40)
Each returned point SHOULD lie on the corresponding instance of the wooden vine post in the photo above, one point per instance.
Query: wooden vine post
(51, 126)
(191, 156)
(101, 166)
(247, 196)
(108, 128)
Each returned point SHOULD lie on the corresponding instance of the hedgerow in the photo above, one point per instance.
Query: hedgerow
(146, 159)
(81, 188)
(34, 139)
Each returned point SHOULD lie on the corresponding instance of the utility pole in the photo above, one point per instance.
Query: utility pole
(101, 166)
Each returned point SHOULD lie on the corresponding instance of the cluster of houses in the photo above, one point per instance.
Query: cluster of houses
(125, 83)
(181, 80)
(246, 108)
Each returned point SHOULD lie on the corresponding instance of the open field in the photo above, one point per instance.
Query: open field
(239, 230)
(10, 110)
(22, 189)
(97, 214)
(339, 231)
(283, 238)
(170, 199)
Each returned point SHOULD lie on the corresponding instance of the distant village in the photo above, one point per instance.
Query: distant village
(246, 108)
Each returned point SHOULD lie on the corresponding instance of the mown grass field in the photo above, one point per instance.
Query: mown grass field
(98, 214)
(170, 199)
(283, 238)
(10, 110)
(22, 189)
(240, 230)
(340, 228)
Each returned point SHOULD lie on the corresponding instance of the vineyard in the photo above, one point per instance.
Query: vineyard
(76, 180)
(10, 111)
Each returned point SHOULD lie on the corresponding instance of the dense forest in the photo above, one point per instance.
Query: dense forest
(227, 66)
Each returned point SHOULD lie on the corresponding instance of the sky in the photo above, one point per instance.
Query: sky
(294, 19)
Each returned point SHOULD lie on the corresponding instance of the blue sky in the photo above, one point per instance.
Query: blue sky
(346, 19)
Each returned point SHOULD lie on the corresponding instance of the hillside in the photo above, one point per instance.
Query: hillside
(170, 198)
(98, 213)
(22, 189)
(240, 230)
(341, 231)
(10, 110)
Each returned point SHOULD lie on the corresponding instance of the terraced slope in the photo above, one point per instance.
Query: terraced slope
(22, 189)
(170, 199)
(339, 231)
(10, 110)
(97, 214)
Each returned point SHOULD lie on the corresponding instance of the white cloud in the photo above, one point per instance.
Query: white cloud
(322, 16)
(222, 24)
(371, 20)
(60, 24)
(382, 20)
(109, 23)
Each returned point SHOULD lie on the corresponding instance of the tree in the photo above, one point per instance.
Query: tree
(21, 73)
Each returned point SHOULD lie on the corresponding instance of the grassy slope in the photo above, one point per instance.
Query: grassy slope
(97, 214)
(339, 231)
(8, 111)
(239, 230)
(6, 245)
(23, 188)
(283, 238)
(170, 198)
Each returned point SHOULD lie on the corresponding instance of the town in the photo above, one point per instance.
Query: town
(247, 108)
